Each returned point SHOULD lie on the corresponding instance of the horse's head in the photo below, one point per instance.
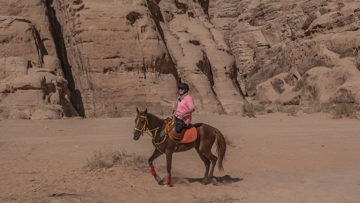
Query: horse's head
(141, 123)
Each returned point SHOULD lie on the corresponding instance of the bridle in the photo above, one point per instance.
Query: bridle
(145, 129)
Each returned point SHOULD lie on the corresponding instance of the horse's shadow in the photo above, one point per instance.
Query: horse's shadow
(224, 180)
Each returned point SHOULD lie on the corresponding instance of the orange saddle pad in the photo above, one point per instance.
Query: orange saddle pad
(190, 135)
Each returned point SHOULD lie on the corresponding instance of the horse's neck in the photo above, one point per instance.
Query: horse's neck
(156, 126)
(154, 121)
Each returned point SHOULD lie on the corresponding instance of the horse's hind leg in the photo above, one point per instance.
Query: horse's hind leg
(213, 160)
(207, 165)
(155, 155)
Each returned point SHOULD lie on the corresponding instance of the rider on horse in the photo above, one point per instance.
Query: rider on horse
(183, 107)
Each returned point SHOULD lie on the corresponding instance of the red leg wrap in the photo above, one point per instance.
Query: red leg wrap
(169, 179)
(152, 169)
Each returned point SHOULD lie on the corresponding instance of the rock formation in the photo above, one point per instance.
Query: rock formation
(104, 58)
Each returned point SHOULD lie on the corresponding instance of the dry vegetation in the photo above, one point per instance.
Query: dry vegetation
(341, 110)
(4, 112)
(250, 110)
(109, 158)
(222, 199)
(345, 110)
(22, 115)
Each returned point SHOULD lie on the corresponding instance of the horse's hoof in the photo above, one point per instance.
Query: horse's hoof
(158, 179)
(205, 181)
(214, 181)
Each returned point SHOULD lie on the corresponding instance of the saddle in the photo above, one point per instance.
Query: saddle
(187, 135)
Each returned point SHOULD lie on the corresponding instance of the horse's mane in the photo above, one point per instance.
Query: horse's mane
(155, 118)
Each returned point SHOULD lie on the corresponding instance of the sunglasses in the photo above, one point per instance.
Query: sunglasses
(180, 88)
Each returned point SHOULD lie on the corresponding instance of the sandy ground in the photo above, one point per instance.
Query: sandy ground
(275, 158)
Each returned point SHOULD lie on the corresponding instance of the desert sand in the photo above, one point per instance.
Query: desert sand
(273, 158)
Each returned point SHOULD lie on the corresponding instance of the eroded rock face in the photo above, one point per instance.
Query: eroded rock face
(117, 55)
(114, 55)
(28, 64)
(30, 92)
(269, 38)
(142, 49)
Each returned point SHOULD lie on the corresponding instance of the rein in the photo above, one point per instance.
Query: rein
(148, 131)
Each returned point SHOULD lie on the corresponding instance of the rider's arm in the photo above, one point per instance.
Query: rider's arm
(188, 111)
(172, 110)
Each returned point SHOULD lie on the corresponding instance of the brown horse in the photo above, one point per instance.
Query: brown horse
(207, 135)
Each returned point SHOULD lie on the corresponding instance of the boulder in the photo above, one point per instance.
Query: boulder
(320, 84)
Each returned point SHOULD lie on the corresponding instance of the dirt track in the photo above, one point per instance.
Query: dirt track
(275, 158)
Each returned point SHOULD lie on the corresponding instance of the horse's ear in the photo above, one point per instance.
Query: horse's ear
(145, 112)
(179, 80)
(137, 110)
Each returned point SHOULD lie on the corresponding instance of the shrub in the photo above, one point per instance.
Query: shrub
(279, 108)
(323, 107)
(292, 111)
(22, 115)
(4, 112)
(344, 110)
(251, 110)
(222, 199)
(110, 158)
(338, 110)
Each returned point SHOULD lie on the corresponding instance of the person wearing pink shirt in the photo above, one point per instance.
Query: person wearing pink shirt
(183, 107)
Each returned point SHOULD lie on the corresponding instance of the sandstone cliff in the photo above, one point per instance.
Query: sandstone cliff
(104, 58)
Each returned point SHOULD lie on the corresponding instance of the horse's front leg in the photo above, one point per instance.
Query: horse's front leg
(169, 154)
(155, 155)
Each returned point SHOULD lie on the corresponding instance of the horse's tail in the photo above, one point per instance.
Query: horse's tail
(220, 148)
